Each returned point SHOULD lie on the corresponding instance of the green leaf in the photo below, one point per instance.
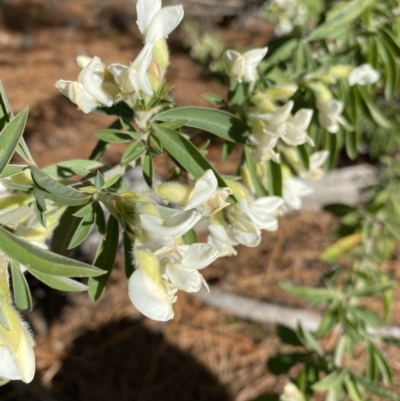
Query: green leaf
(303, 156)
(57, 192)
(334, 379)
(373, 388)
(147, 169)
(68, 168)
(41, 260)
(389, 61)
(338, 19)
(22, 294)
(12, 218)
(369, 289)
(219, 123)
(113, 136)
(12, 169)
(99, 180)
(60, 283)
(105, 258)
(274, 178)
(333, 147)
(133, 152)
(281, 49)
(352, 389)
(64, 231)
(185, 153)
(383, 367)
(351, 138)
(83, 230)
(174, 124)
(371, 110)
(6, 113)
(10, 137)
(100, 220)
(308, 340)
(309, 293)
(128, 254)
(387, 38)
(16, 186)
(213, 98)
(258, 187)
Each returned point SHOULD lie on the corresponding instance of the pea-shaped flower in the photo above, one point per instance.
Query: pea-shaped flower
(243, 67)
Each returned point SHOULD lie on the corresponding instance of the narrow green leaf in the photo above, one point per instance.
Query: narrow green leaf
(185, 153)
(105, 259)
(339, 18)
(219, 123)
(12, 218)
(22, 294)
(386, 36)
(351, 139)
(213, 98)
(371, 109)
(128, 254)
(332, 146)
(281, 49)
(84, 210)
(82, 231)
(174, 124)
(383, 367)
(309, 293)
(303, 156)
(334, 379)
(308, 340)
(57, 192)
(373, 388)
(275, 181)
(100, 220)
(389, 61)
(68, 168)
(12, 169)
(227, 149)
(16, 186)
(147, 169)
(43, 261)
(6, 113)
(10, 137)
(113, 136)
(133, 152)
(352, 389)
(60, 283)
(258, 187)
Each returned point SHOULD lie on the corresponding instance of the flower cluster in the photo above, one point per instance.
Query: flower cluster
(99, 84)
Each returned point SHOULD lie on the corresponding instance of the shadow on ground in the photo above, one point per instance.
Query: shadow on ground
(124, 361)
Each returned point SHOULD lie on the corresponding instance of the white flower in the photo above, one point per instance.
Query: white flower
(155, 22)
(133, 80)
(223, 239)
(293, 190)
(363, 75)
(329, 115)
(291, 393)
(174, 226)
(183, 262)
(243, 67)
(87, 93)
(295, 129)
(261, 211)
(205, 197)
(17, 359)
(149, 292)
(316, 171)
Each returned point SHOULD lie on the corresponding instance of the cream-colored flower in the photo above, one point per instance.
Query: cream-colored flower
(87, 93)
(133, 80)
(155, 22)
(149, 291)
(293, 190)
(205, 196)
(17, 359)
(330, 115)
(363, 75)
(243, 67)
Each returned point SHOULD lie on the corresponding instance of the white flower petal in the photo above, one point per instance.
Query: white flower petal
(146, 10)
(92, 77)
(164, 22)
(204, 189)
(184, 279)
(363, 75)
(197, 256)
(150, 297)
(174, 226)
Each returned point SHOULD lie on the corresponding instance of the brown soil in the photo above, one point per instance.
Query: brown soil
(107, 350)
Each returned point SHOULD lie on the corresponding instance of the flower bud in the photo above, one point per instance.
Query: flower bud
(174, 192)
